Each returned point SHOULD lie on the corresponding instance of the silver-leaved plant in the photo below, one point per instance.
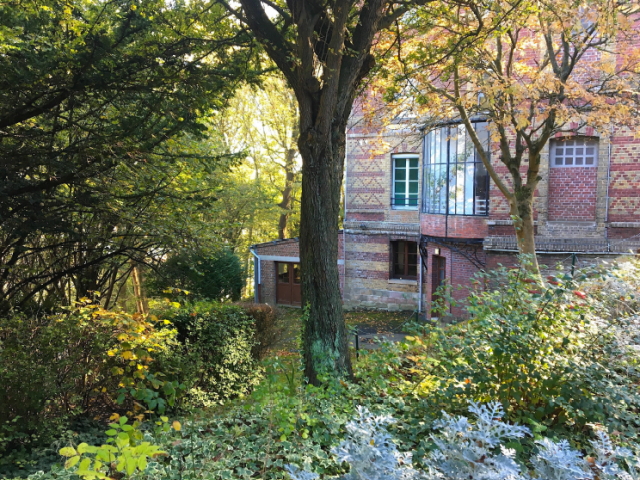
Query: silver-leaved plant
(472, 450)
(370, 452)
(475, 452)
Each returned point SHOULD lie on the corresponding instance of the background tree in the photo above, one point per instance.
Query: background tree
(533, 69)
(324, 50)
(93, 98)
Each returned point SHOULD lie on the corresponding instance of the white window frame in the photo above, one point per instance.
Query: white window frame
(404, 156)
(586, 142)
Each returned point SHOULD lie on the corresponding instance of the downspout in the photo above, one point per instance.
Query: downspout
(344, 230)
(606, 212)
(424, 146)
(420, 283)
(257, 277)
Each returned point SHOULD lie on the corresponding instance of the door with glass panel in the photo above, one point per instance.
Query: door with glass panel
(288, 284)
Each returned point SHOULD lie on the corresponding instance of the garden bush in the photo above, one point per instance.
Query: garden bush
(206, 276)
(268, 329)
(558, 357)
(471, 450)
(83, 361)
(214, 358)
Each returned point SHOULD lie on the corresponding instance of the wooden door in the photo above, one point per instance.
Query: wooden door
(296, 294)
(288, 284)
(283, 283)
(438, 275)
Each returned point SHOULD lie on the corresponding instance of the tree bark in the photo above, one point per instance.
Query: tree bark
(524, 226)
(325, 341)
(337, 37)
(136, 278)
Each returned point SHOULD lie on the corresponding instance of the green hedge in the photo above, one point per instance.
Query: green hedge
(215, 352)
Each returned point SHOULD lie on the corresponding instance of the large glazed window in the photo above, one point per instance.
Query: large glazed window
(456, 181)
(405, 182)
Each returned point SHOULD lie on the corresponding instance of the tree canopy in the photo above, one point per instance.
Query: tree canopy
(98, 101)
(534, 70)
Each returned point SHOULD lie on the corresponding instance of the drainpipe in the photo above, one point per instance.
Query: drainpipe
(424, 150)
(344, 230)
(606, 212)
(420, 282)
(257, 278)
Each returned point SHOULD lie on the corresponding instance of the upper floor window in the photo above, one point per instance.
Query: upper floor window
(574, 152)
(404, 260)
(405, 181)
(456, 181)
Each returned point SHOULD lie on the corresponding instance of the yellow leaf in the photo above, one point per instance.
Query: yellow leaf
(114, 417)
(127, 355)
(176, 426)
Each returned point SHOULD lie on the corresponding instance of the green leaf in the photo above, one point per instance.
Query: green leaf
(72, 461)
(68, 452)
(85, 464)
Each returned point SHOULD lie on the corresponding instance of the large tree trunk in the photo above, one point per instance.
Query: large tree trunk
(325, 341)
(324, 58)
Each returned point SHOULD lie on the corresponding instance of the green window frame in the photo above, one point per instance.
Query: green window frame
(405, 183)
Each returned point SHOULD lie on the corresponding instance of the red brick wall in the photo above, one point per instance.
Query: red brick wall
(459, 274)
(621, 233)
(572, 193)
(456, 226)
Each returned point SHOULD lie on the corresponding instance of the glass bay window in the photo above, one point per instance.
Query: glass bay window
(456, 181)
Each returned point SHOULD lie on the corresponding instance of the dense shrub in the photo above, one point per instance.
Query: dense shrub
(561, 358)
(215, 276)
(268, 329)
(558, 357)
(215, 358)
(84, 361)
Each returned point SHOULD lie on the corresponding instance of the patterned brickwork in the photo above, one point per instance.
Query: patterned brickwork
(624, 189)
(369, 175)
(368, 285)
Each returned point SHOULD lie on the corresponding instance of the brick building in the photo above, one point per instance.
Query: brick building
(416, 216)
(421, 210)
(434, 197)
(277, 271)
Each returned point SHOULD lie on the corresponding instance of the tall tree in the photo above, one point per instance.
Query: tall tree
(263, 122)
(325, 51)
(93, 98)
(533, 69)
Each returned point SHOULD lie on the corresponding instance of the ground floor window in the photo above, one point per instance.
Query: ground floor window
(404, 260)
